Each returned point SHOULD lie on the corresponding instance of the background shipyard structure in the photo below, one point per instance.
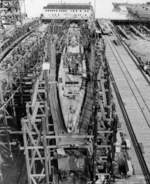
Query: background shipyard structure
(142, 11)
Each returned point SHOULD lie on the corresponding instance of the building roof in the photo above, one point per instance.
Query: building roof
(68, 6)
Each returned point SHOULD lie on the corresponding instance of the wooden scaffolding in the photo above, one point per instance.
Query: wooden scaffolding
(39, 150)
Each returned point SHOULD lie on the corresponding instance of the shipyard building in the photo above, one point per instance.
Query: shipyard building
(68, 11)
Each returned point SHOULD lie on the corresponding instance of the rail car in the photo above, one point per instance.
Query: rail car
(116, 42)
(106, 30)
(146, 67)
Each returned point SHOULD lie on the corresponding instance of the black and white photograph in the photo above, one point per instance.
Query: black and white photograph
(74, 92)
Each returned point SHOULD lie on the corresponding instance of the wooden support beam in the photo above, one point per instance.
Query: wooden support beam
(34, 153)
(57, 146)
(103, 146)
(105, 132)
(37, 175)
(32, 140)
(46, 152)
(102, 174)
(70, 136)
(43, 158)
(26, 153)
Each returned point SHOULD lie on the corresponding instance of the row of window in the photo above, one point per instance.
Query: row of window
(65, 10)
(57, 15)
(53, 10)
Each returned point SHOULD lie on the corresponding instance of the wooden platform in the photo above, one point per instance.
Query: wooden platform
(138, 178)
(134, 90)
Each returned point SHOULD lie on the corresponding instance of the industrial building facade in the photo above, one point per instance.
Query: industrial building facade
(68, 11)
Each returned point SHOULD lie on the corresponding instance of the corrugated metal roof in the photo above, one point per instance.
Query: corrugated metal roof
(68, 6)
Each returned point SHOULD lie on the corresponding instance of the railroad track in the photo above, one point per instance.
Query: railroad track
(136, 61)
(136, 91)
(133, 56)
(142, 105)
(136, 145)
